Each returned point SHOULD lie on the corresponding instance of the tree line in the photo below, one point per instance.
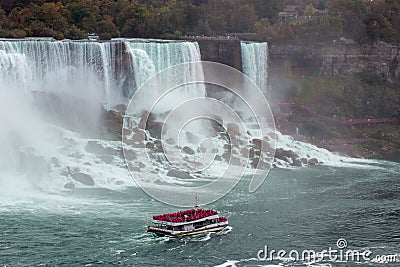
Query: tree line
(361, 20)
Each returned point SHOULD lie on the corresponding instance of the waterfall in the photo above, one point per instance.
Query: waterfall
(113, 77)
(51, 92)
(14, 69)
(255, 63)
(152, 56)
(55, 63)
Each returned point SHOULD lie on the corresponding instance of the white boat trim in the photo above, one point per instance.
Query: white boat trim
(216, 216)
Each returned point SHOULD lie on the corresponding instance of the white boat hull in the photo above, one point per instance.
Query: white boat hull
(165, 232)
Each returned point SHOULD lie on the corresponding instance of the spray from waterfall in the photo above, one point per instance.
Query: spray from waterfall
(53, 95)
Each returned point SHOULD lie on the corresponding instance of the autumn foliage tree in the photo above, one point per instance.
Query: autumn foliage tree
(361, 20)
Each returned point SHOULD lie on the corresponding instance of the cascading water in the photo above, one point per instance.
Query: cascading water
(55, 63)
(255, 66)
(149, 57)
(255, 63)
(48, 86)
(152, 56)
(40, 79)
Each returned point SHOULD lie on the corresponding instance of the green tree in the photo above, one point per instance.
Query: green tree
(243, 19)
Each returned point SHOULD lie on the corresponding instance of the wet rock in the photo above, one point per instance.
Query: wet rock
(144, 117)
(112, 121)
(121, 108)
(284, 154)
(202, 149)
(137, 140)
(158, 147)
(83, 178)
(155, 128)
(160, 182)
(107, 159)
(297, 162)
(94, 147)
(272, 136)
(170, 141)
(126, 132)
(69, 142)
(245, 152)
(313, 162)
(233, 129)
(254, 153)
(141, 165)
(227, 146)
(304, 161)
(188, 150)
(226, 155)
(179, 174)
(257, 163)
(69, 185)
(129, 154)
(150, 145)
(218, 119)
(235, 161)
(234, 142)
(251, 153)
(261, 145)
(218, 158)
(133, 167)
(217, 124)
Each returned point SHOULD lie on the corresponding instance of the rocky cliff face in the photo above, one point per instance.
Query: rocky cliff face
(222, 51)
(326, 83)
(336, 58)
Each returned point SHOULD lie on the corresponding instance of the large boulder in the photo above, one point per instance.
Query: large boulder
(95, 148)
(235, 161)
(144, 117)
(257, 163)
(261, 145)
(83, 178)
(158, 146)
(233, 129)
(282, 154)
(179, 174)
(69, 185)
(313, 162)
(297, 162)
(188, 150)
(112, 123)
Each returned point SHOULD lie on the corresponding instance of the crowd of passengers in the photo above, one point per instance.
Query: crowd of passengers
(185, 216)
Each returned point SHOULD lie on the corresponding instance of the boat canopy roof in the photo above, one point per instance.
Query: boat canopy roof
(182, 217)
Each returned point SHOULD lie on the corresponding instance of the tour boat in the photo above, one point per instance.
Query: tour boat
(188, 223)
